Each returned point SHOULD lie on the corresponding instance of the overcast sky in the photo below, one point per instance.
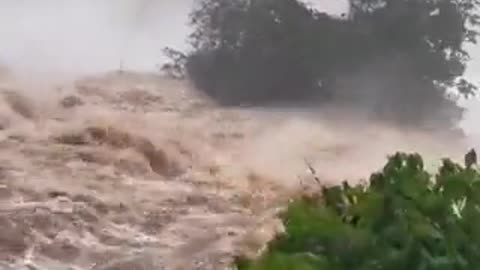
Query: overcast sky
(89, 35)
(96, 35)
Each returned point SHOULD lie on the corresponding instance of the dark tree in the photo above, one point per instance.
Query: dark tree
(396, 59)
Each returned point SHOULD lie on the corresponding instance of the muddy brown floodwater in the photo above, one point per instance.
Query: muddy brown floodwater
(137, 171)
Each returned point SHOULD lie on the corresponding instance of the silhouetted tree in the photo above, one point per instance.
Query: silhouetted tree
(397, 58)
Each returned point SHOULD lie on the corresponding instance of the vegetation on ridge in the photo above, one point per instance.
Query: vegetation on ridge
(404, 218)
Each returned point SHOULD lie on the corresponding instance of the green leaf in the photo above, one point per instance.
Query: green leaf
(402, 220)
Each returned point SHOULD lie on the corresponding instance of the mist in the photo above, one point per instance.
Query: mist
(75, 37)
(89, 35)
(97, 35)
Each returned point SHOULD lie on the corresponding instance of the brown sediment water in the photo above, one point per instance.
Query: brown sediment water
(137, 171)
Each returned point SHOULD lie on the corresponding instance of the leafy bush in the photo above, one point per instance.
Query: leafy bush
(404, 218)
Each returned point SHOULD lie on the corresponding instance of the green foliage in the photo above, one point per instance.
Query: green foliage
(395, 57)
(404, 219)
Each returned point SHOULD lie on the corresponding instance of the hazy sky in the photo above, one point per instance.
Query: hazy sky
(96, 35)
(89, 34)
